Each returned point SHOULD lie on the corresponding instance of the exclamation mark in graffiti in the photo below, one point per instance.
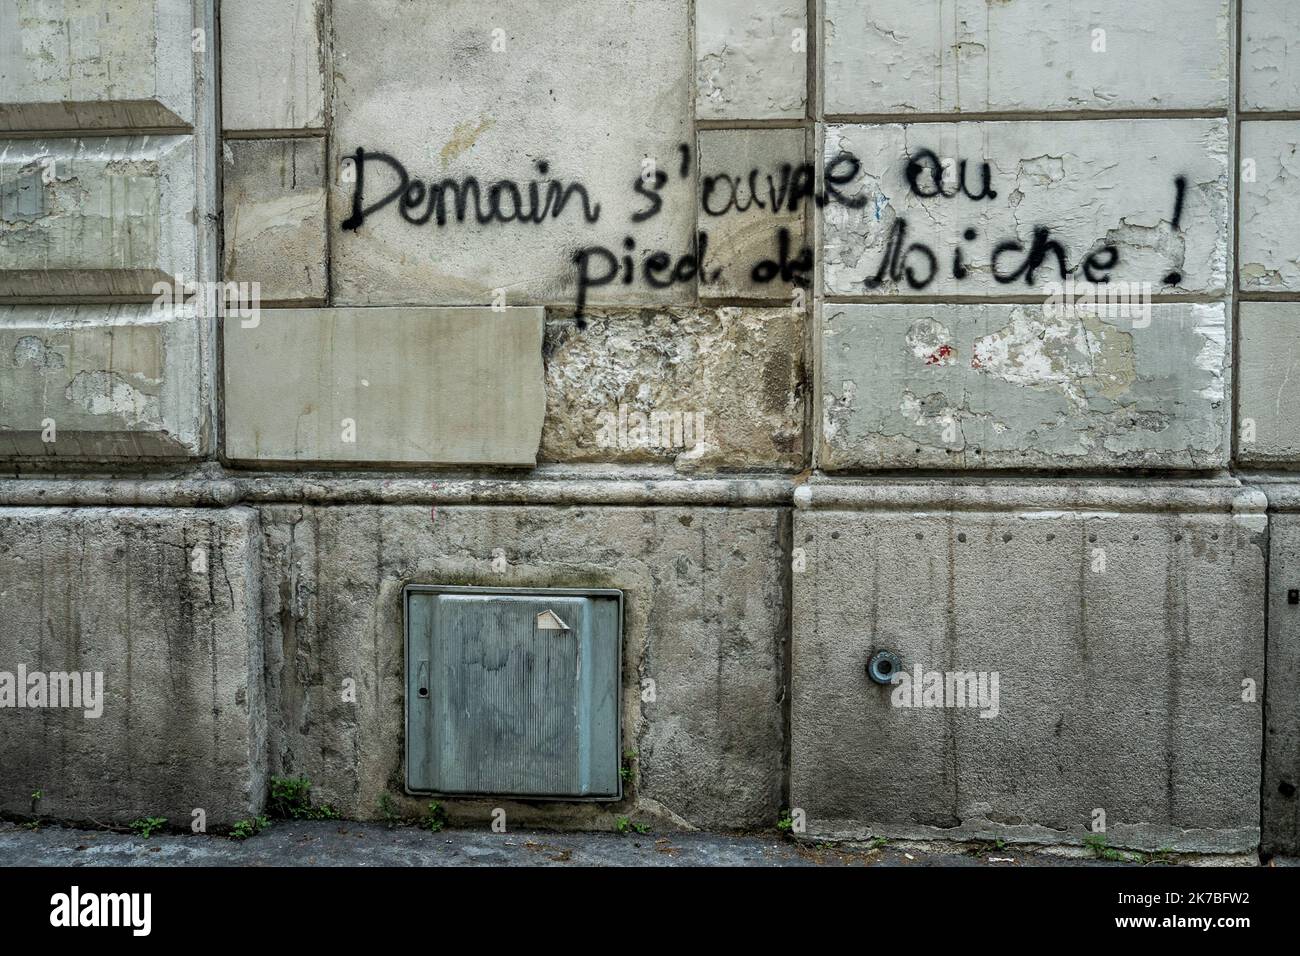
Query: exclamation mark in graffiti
(1180, 184)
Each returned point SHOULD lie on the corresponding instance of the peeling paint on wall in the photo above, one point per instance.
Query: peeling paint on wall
(1010, 386)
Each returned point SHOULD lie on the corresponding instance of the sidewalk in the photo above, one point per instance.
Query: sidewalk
(347, 843)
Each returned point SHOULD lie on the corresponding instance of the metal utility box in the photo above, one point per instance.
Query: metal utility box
(513, 693)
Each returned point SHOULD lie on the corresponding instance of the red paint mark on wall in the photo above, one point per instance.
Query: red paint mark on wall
(940, 356)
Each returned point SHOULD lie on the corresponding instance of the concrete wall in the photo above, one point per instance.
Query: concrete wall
(162, 604)
(1281, 715)
(705, 620)
(1107, 633)
(767, 313)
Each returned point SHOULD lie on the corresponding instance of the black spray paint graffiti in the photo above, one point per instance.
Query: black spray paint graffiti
(917, 265)
(787, 189)
(509, 202)
(784, 190)
(418, 202)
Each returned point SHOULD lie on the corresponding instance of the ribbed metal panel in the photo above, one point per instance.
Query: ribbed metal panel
(510, 707)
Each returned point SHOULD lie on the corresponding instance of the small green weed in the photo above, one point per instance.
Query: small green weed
(147, 826)
(435, 818)
(291, 800)
(1100, 851)
(388, 810)
(243, 829)
(627, 771)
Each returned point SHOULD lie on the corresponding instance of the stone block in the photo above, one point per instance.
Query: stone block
(1268, 406)
(1268, 251)
(163, 605)
(973, 56)
(96, 64)
(101, 382)
(105, 216)
(273, 64)
(527, 134)
(1270, 55)
(1010, 386)
(751, 59)
(274, 198)
(745, 207)
(415, 386)
(1074, 656)
(1095, 199)
(704, 389)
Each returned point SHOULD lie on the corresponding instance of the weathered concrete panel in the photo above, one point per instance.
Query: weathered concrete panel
(428, 386)
(1281, 806)
(899, 56)
(1268, 403)
(96, 64)
(274, 198)
(751, 59)
(705, 618)
(1102, 193)
(1269, 245)
(704, 389)
(1270, 55)
(100, 381)
(1129, 654)
(1007, 386)
(105, 216)
(744, 214)
(549, 100)
(164, 604)
(272, 64)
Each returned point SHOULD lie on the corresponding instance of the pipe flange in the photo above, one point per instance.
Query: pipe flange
(883, 666)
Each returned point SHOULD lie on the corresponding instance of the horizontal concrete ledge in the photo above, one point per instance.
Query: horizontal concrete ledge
(127, 492)
(74, 299)
(748, 492)
(1283, 493)
(1218, 496)
(740, 493)
(1221, 495)
(78, 132)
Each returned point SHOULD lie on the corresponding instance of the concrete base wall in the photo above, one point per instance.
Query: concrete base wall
(1125, 627)
(163, 605)
(1111, 648)
(1281, 779)
(705, 617)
